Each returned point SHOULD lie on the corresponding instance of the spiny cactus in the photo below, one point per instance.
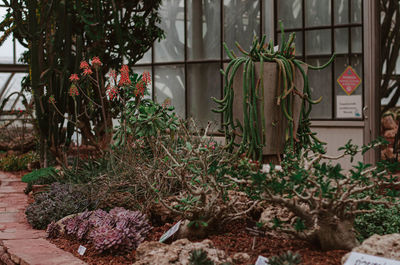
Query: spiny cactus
(199, 257)
(287, 258)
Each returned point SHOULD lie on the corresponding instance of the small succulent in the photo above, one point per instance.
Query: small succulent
(61, 200)
(120, 230)
(53, 230)
(287, 258)
(199, 257)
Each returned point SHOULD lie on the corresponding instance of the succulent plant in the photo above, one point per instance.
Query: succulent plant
(53, 230)
(199, 257)
(287, 258)
(61, 200)
(120, 230)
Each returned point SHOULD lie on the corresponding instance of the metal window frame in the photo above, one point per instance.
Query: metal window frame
(349, 54)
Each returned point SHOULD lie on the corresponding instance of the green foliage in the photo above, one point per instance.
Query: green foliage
(199, 257)
(17, 162)
(82, 172)
(384, 220)
(287, 258)
(61, 200)
(38, 173)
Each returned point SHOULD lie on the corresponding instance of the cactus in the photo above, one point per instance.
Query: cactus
(59, 35)
(287, 258)
(253, 127)
(199, 257)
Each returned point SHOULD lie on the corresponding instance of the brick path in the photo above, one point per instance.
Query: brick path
(19, 243)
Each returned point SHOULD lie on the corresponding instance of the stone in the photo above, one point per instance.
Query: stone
(241, 258)
(387, 153)
(5, 259)
(386, 246)
(390, 133)
(15, 258)
(389, 123)
(178, 253)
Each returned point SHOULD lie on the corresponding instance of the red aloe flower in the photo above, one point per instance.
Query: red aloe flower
(146, 77)
(124, 79)
(140, 87)
(87, 71)
(84, 65)
(112, 74)
(52, 100)
(74, 78)
(96, 63)
(73, 91)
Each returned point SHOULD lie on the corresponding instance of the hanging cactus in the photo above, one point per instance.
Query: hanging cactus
(253, 127)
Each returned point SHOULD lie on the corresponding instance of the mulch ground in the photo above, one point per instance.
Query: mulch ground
(235, 238)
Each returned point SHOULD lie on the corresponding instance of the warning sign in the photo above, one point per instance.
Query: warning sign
(349, 80)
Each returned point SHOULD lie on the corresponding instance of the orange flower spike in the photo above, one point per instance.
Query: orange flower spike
(146, 77)
(96, 63)
(84, 65)
(74, 78)
(87, 71)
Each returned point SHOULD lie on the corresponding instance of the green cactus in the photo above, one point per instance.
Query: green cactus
(199, 257)
(287, 258)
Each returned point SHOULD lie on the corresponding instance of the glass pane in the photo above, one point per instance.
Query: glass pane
(269, 19)
(169, 82)
(298, 42)
(318, 42)
(6, 50)
(204, 82)
(289, 11)
(342, 40)
(356, 11)
(321, 85)
(318, 12)
(172, 22)
(19, 50)
(341, 11)
(241, 23)
(356, 40)
(13, 86)
(203, 29)
(139, 70)
(146, 58)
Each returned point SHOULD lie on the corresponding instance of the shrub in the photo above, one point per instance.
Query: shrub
(119, 230)
(61, 200)
(381, 221)
(37, 174)
(17, 162)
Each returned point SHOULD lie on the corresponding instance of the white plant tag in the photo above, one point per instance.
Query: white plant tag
(170, 232)
(276, 48)
(81, 250)
(262, 260)
(356, 258)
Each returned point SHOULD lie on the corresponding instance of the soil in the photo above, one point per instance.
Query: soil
(234, 239)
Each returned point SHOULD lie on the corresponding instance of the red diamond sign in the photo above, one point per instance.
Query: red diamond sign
(349, 80)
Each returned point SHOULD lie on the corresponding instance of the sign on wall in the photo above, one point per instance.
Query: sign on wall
(349, 80)
(349, 106)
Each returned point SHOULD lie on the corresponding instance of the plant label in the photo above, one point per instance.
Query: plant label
(349, 106)
(81, 250)
(261, 261)
(170, 232)
(356, 258)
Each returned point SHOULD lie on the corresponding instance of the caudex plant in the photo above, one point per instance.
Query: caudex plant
(252, 129)
(205, 198)
(321, 198)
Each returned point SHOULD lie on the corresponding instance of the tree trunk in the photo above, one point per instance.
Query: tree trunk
(336, 234)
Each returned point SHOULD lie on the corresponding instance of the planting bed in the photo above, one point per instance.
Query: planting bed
(232, 240)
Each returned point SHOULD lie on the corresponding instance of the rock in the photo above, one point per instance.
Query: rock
(178, 253)
(387, 153)
(387, 246)
(241, 257)
(273, 211)
(390, 133)
(389, 123)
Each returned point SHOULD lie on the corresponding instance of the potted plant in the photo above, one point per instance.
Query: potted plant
(265, 103)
